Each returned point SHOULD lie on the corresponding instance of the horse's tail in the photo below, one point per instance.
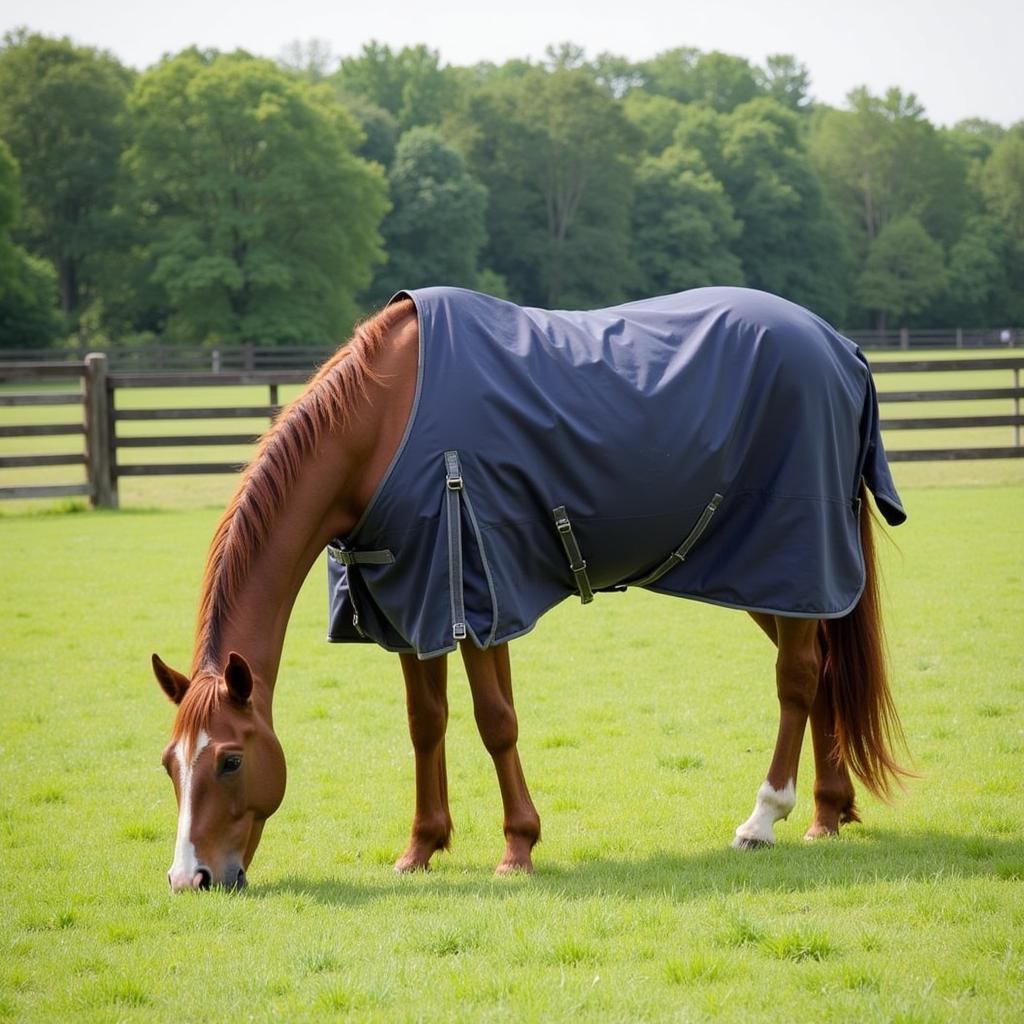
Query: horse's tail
(856, 684)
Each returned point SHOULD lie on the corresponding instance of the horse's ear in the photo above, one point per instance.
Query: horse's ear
(174, 684)
(238, 676)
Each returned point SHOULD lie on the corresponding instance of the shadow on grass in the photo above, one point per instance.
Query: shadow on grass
(872, 856)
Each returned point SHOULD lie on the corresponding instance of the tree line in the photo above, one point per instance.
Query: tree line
(220, 198)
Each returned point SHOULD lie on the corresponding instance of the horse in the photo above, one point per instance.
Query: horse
(782, 407)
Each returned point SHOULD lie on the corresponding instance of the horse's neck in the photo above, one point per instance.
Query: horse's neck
(330, 492)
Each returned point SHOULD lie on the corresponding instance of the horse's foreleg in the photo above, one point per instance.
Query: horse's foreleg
(797, 669)
(490, 679)
(426, 700)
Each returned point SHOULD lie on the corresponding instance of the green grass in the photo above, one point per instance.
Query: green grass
(646, 726)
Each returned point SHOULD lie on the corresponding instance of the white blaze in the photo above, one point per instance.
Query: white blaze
(185, 864)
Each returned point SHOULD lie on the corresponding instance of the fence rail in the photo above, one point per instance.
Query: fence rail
(99, 390)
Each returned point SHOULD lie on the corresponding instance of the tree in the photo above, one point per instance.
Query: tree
(903, 272)
(716, 80)
(883, 159)
(683, 225)
(28, 285)
(379, 128)
(1003, 182)
(554, 150)
(60, 113)
(791, 242)
(410, 84)
(785, 80)
(262, 221)
(976, 278)
(436, 228)
(656, 118)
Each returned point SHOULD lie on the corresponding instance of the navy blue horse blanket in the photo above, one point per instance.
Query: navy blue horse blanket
(708, 444)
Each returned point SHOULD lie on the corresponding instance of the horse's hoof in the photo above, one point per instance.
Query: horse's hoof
(514, 868)
(410, 865)
(743, 843)
(820, 832)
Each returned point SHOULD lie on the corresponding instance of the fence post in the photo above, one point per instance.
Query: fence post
(1016, 406)
(904, 338)
(98, 419)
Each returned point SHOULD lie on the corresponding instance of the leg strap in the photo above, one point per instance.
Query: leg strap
(577, 565)
(453, 508)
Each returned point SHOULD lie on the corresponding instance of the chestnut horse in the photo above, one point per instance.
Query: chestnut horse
(315, 472)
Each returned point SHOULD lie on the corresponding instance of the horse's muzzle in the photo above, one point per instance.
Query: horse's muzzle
(234, 879)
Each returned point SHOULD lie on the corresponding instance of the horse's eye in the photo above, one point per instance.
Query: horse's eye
(231, 764)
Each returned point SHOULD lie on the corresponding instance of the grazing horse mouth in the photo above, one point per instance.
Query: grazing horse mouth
(203, 879)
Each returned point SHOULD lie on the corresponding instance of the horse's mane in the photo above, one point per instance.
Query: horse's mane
(324, 405)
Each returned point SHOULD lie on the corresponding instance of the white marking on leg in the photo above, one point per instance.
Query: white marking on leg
(186, 864)
(772, 805)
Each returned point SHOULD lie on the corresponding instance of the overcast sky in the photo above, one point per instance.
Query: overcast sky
(962, 59)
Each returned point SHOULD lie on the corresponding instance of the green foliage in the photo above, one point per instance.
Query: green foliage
(717, 80)
(60, 114)
(976, 277)
(436, 228)
(409, 84)
(232, 199)
(1003, 183)
(683, 225)
(882, 159)
(786, 80)
(260, 219)
(903, 271)
(656, 118)
(379, 127)
(790, 241)
(554, 151)
(28, 285)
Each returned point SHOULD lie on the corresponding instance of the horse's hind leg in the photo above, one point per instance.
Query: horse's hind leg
(834, 796)
(490, 679)
(797, 670)
(833, 788)
(426, 698)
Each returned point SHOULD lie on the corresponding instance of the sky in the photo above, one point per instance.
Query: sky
(960, 59)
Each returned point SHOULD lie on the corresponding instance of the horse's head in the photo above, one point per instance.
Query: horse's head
(228, 773)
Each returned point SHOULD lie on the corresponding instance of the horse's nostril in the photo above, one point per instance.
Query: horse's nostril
(204, 879)
(241, 881)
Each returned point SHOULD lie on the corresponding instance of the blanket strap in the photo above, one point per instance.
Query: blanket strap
(577, 564)
(337, 550)
(453, 508)
(679, 555)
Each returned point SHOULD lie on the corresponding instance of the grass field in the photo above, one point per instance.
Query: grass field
(646, 726)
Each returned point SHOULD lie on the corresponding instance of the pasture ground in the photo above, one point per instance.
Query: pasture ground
(646, 727)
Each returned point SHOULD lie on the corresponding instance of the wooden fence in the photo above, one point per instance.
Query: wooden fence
(100, 442)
